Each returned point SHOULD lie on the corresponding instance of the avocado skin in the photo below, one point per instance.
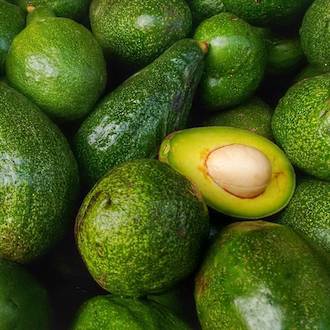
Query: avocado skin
(12, 21)
(259, 275)
(141, 229)
(315, 34)
(203, 9)
(235, 63)
(108, 313)
(38, 179)
(309, 72)
(131, 122)
(137, 32)
(300, 125)
(59, 65)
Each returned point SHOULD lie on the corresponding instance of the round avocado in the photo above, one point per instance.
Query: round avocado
(315, 34)
(38, 179)
(262, 276)
(239, 173)
(203, 9)
(141, 229)
(309, 72)
(59, 65)
(301, 125)
(235, 62)
(137, 32)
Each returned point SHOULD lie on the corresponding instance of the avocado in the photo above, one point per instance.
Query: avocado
(301, 125)
(255, 116)
(131, 122)
(38, 179)
(203, 9)
(59, 65)
(137, 32)
(239, 173)
(235, 63)
(12, 21)
(23, 302)
(315, 34)
(109, 313)
(262, 276)
(141, 229)
(308, 72)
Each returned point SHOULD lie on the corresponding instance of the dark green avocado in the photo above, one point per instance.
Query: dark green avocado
(203, 9)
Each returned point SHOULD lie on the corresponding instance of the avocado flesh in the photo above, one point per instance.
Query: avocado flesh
(187, 152)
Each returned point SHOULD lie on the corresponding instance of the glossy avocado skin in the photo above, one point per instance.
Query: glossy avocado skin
(23, 302)
(300, 125)
(141, 229)
(38, 179)
(131, 122)
(137, 32)
(235, 63)
(203, 9)
(108, 313)
(262, 276)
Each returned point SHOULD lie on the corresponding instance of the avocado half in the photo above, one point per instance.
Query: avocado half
(239, 173)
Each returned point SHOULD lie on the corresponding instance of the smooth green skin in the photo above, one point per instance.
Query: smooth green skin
(23, 302)
(131, 122)
(12, 21)
(309, 72)
(255, 116)
(141, 229)
(109, 313)
(59, 65)
(235, 63)
(203, 9)
(262, 276)
(137, 32)
(268, 12)
(301, 125)
(38, 179)
(315, 34)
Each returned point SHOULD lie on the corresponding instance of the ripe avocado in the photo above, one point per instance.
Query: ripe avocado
(112, 313)
(59, 65)
(301, 125)
(137, 32)
(235, 63)
(239, 173)
(131, 122)
(262, 276)
(203, 9)
(141, 229)
(38, 179)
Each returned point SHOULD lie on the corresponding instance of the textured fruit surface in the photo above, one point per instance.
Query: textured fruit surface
(203, 9)
(309, 72)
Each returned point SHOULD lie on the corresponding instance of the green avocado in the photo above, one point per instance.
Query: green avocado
(141, 229)
(136, 32)
(255, 116)
(112, 313)
(315, 34)
(309, 72)
(235, 63)
(12, 21)
(38, 179)
(301, 125)
(203, 9)
(23, 302)
(131, 122)
(262, 276)
(59, 65)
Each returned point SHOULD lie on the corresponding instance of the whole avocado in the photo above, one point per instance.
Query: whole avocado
(38, 179)
(141, 229)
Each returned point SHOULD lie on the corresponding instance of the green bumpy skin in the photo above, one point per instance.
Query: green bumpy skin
(255, 116)
(137, 32)
(38, 179)
(141, 229)
(309, 72)
(203, 9)
(315, 34)
(268, 12)
(262, 276)
(131, 122)
(59, 65)
(23, 302)
(301, 125)
(12, 21)
(109, 313)
(235, 63)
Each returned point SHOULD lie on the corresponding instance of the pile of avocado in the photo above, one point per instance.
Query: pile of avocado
(164, 164)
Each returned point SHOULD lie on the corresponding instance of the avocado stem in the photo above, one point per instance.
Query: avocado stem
(30, 8)
(204, 45)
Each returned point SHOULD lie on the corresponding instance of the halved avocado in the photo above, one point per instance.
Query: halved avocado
(239, 173)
